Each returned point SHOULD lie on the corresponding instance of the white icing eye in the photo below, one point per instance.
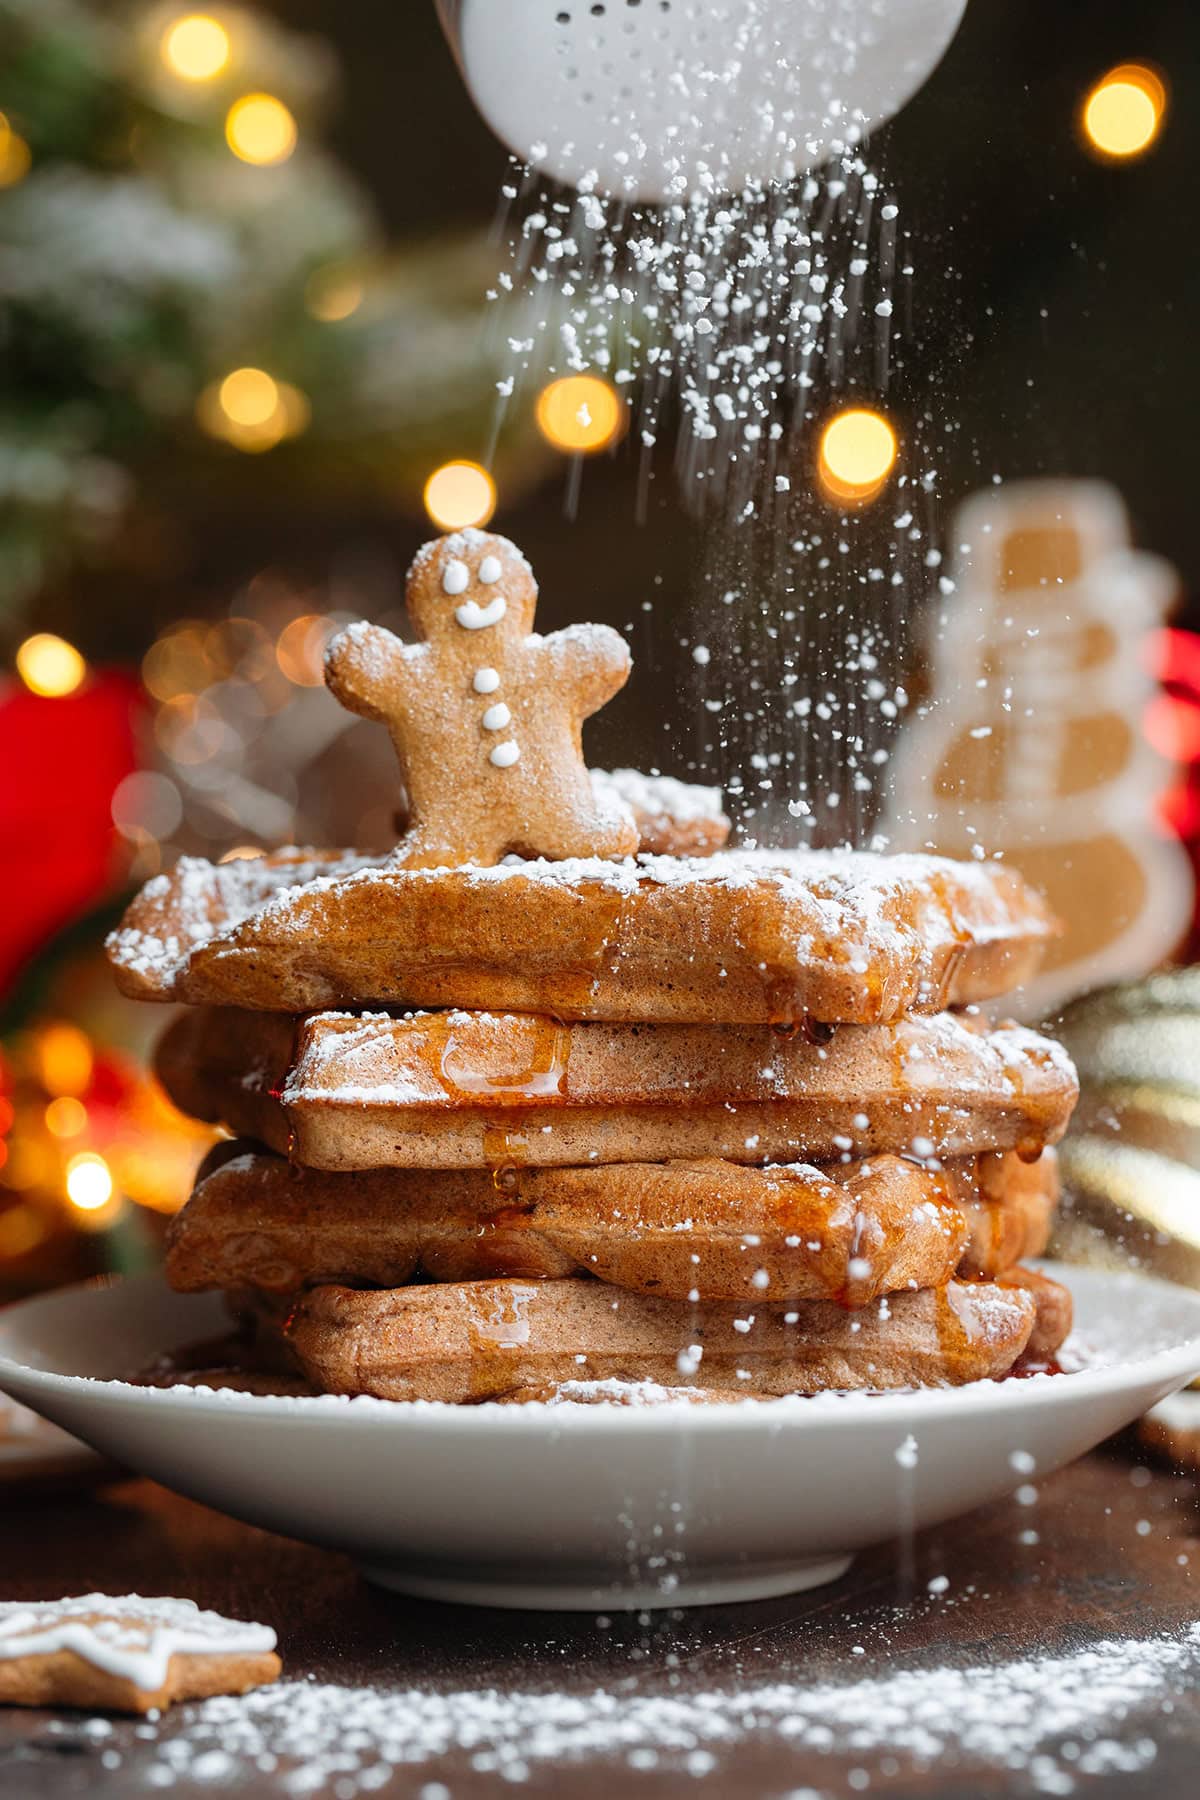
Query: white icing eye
(490, 570)
(456, 577)
(497, 717)
(505, 754)
(473, 617)
(485, 681)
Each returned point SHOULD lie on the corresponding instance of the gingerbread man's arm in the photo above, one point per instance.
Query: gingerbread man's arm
(371, 671)
(589, 662)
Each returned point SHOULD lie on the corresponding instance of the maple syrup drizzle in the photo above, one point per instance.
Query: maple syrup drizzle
(505, 1153)
(497, 1326)
(542, 1078)
(598, 929)
(1025, 1366)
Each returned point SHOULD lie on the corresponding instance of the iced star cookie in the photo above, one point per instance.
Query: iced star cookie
(127, 1654)
(485, 715)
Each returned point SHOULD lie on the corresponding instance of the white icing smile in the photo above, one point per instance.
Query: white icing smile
(473, 617)
(455, 577)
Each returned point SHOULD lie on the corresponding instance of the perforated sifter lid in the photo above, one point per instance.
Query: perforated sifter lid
(651, 99)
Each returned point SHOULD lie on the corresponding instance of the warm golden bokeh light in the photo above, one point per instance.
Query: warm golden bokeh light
(66, 1117)
(260, 129)
(249, 396)
(196, 47)
(21, 1230)
(332, 294)
(89, 1181)
(300, 651)
(1123, 113)
(252, 411)
(242, 853)
(857, 454)
(49, 666)
(15, 155)
(580, 413)
(64, 1058)
(460, 494)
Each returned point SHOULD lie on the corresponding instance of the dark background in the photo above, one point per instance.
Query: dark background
(1078, 281)
(1055, 296)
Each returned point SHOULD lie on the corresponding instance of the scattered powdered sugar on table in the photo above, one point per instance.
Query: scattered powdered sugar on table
(1055, 1720)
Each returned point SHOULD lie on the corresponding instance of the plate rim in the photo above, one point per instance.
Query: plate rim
(1178, 1362)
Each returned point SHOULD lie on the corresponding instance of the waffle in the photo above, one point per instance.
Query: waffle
(472, 1341)
(709, 1229)
(471, 1090)
(741, 937)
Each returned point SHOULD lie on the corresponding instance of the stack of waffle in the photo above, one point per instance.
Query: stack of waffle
(705, 1125)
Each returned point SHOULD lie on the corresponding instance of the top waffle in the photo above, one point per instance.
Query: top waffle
(741, 937)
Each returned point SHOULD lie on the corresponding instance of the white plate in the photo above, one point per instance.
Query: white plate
(590, 1506)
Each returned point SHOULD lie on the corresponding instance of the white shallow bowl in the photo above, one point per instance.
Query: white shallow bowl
(575, 1506)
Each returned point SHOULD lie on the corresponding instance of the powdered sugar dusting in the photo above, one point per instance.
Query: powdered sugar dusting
(851, 897)
(661, 796)
(1054, 1720)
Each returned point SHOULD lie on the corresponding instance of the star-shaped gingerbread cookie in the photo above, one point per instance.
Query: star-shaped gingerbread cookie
(125, 1653)
(485, 714)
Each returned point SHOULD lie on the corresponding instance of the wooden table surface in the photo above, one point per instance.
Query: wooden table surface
(1116, 1556)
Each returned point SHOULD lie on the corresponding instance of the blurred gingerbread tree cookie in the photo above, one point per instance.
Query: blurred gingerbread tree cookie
(1030, 746)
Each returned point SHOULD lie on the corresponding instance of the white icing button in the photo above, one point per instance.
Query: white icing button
(455, 577)
(505, 754)
(486, 681)
(490, 570)
(497, 717)
(473, 617)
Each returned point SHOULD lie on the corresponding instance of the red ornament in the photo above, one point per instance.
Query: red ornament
(64, 759)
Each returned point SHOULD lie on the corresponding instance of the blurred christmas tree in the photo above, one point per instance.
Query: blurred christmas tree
(199, 322)
(186, 277)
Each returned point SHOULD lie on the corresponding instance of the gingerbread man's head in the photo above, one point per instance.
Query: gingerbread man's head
(472, 581)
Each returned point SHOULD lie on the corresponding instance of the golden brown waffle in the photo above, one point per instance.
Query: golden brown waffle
(673, 818)
(478, 1340)
(1055, 1311)
(1008, 1204)
(742, 937)
(709, 1229)
(476, 1090)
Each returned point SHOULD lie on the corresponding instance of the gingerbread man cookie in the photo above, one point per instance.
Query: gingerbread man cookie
(485, 714)
(126, 1653)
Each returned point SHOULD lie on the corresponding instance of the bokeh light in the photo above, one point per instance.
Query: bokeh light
(252, 411)
(333, 293)
(300, 651)
(460, 494)
(49, 666)
(1123, 113)
(15, 156)
(260, 129)
(196, 47)
(66, 1117)
(249, 396)
(857, 454)
(64, 1059)
(580, 413)
(89, 1181)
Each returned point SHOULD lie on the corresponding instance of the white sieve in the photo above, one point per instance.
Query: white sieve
(652, 99)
